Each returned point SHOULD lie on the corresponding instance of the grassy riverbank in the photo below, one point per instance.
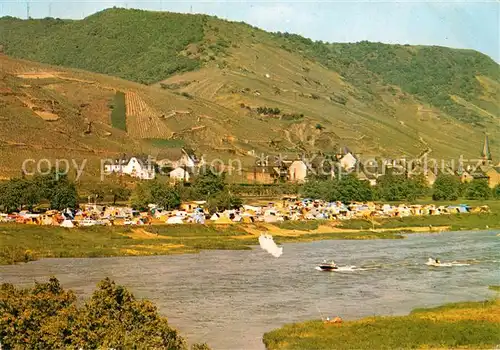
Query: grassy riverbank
(474, 325)
(22, 243)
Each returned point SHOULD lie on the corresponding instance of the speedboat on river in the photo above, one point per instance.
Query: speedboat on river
(328, 266)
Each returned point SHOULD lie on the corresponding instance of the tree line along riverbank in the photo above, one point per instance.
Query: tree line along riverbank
(23, 243)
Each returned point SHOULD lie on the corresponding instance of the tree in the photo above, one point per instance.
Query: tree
(141, 197)
(31, 195)
(57, 189)
(119, 193)
(446, 187)
(496, 192)
(155, 192)
(17, 193)
(417, 187)
(97, 192)
(64, 196)
(478, 189)
(314, 188)
(48, 317)
(393, 187)
(224, 200)
(208, 184)
(164, 195)
(11, 195)
(350, 188)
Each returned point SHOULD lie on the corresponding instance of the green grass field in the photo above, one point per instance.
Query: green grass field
(471, 325)
(28, 242)
(164, 143)
(119, 112)
(23, 243)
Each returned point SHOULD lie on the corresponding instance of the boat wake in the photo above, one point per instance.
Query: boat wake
(432, 262)
(344, 269)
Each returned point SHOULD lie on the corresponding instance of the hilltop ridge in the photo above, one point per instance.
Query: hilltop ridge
(227, 88)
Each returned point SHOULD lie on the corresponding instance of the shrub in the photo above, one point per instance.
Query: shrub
(478, 189)
(446, 187)
(47, 316)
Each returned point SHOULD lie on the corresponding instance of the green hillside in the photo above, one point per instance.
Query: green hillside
(227, 88)
(431, 73)
(131, 44)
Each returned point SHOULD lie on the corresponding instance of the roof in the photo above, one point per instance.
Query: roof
(485, 153)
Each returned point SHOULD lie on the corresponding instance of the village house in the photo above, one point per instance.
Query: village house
(297, 171)
(348, 161)
(465, 176)
(188, 159)
(180, 158)
(179, 174)
(493, 174)
(267, 174)
(429, 175)
(134, 166)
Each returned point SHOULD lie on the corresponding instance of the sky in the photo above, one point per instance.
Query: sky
(459, 24)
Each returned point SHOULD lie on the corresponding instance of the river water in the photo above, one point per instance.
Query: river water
(230, 298)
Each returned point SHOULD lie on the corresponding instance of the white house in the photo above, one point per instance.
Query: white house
(297, 171)
(179, 174)
(134, 167)
(185, 160)
(348, 161)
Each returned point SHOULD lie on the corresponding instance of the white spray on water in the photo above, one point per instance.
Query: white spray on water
(267, 243)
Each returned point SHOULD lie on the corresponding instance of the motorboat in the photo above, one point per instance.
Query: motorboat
(437, 263)
(328, 266)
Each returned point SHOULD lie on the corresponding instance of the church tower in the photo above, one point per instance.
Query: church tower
(486, 154)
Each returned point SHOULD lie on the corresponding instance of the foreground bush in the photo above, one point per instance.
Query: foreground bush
(47, 317)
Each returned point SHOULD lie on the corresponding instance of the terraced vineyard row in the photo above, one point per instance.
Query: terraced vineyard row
(142, 120)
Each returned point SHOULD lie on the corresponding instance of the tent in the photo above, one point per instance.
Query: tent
(223, 220)
(67, 223)
(247, 219)
(199, 218)
(174, 220)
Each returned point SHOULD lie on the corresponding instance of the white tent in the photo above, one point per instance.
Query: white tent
(174, 220)
(67, 224)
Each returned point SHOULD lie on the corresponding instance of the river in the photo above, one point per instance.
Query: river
(230, 298)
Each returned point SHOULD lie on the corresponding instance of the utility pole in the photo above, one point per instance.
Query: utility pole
(50, 9)
(27, 10)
